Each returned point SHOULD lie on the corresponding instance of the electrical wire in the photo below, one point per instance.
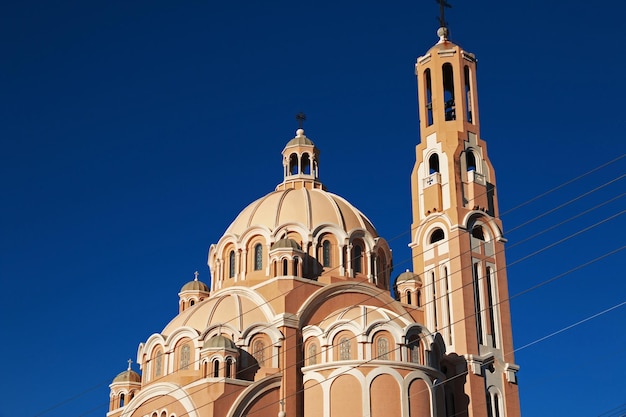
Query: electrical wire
(405, 233)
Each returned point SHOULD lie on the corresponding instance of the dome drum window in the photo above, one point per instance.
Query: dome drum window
(258, 257)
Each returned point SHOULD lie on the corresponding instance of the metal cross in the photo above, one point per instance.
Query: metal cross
(300, 117)
(130, 361)
(442, 7)
(195, 274)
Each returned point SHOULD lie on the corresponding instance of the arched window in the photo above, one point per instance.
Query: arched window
(216, 368)
(295, 266)
(414, 349)
(478, 233)
(121, 400)
(478, 303)
(357, 259)
(437, 235)
(158, 364)
(408, 297)
(293, 164)
(258, 352)
(470, 160)
(448, 310)
(312, 354)
(429, 98)
(496, 405)
(448, 92)
(231, 264)
(228, 367)
(191, 303)
(382, 348)
(258, 257)
(185, 357)
(468, 94)
(326, 253)
(433, 164)
(205, 369)
(491, 296)
(344, 349)
(419, 298)
(306, 164)
(434, 284)
(285, 267)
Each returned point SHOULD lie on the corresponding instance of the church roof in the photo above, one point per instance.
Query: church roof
(127, 376)
(286, 243)
(238, 311)
(219, 342)
(300, 139)
(195, 285)
(408, 276)
(307, 207)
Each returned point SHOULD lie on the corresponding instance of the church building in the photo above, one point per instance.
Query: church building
(299, 319)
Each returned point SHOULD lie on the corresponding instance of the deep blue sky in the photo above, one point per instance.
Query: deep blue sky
(132, 134)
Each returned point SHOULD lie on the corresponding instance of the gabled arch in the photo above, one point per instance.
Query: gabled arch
(216, 329)
(339, 326)
(319, 297)
(158, 390)
(181, 333)
(252, 393)
(389, 326)
(439, 220)
(290, 228)
(156, 339)
(271, 331)
(475, 216)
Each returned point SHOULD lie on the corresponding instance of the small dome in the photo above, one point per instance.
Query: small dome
(127, 376)
(195, 285)
(300, 139)
(408, 276)
(219, 342)
(286, 243)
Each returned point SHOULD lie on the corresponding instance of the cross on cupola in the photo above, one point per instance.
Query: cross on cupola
(300, 159)
(130, 362)
(300, 117)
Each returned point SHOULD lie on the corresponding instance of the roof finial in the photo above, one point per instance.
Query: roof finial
(300, 117)
(130, 361)
(443, 31)
(195, 274)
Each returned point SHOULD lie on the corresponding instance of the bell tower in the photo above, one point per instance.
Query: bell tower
(457, 240)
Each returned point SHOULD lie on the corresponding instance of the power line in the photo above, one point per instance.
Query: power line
(394, 238)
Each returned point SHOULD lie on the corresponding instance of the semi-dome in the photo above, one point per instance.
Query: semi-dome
(234, 310)
(127, 376)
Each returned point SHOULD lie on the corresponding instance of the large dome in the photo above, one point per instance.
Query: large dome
(310, 208)
(300, 230)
